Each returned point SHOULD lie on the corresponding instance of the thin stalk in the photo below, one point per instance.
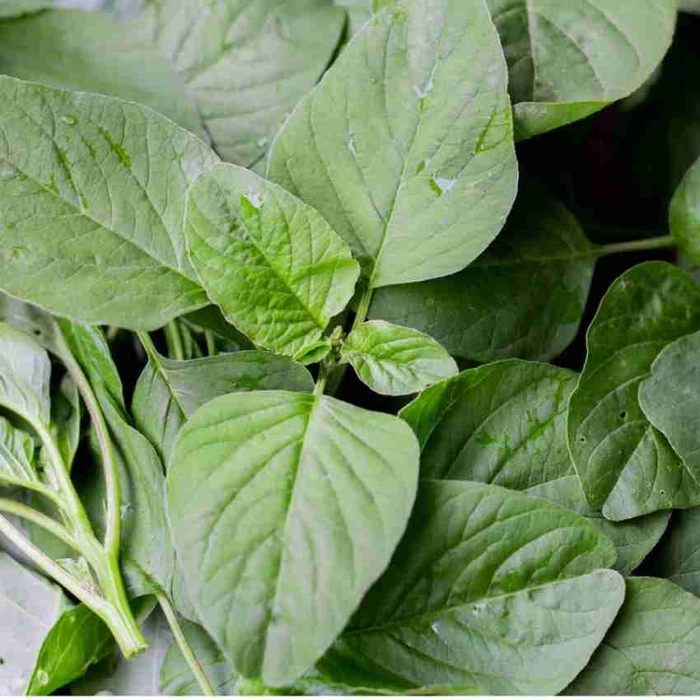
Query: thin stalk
(184, 645)
(148, 346)
(635, 246)
(112, 486)
(174, 341)
(321, 381)
(211, 343)
(335, 378)
(120, 622)
(34, 516)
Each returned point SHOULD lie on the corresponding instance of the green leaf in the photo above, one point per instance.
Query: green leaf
(689, 6)
(15, 8)
(170, 391)
(246, 64)
(633, 539)
(406, 145)
(17, 458)
(210, 319)
(394, 360)
(177, 679)
(569, 58)
(147, 553)
(626, 466)
(490, 592)
(651, 649)
(272, 264)
(685, 214)
(29, 606)
(359, 13)
(505, 424)
(678, 555)
(78, 640)
(94, 231)
(66, 415)
(312, 494)
(670, 400)
(91, 52)
(524, 297)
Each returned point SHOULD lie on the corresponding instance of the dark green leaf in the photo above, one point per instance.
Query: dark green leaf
(490, 592)
(685, 214)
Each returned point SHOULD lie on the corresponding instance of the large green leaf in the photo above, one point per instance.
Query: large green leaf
(91, 224)
(651, 649)
(95, 53)
(359, 13)
(568, 58)
(685, 214)
(626, 466)
(14, 8)
(406, 145)
(272, 263)
(490, 592)
(505, 424)
(29, 606)
(395, 360)
(524, 297)
(176, 677)
(170, 391)
(309, 493)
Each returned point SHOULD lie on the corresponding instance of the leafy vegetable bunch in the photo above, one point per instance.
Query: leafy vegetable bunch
(238, 238)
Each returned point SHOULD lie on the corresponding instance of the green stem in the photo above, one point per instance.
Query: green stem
(635, 246)
(120, 621)
(184, 645)
(112, 486)
(335, 378)
(34, 516)
(174, 341)
(321, 381)
(211, 343)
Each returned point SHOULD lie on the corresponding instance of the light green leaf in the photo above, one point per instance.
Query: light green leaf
(17, 458)
(651, 649)
(177, 679)
(689, 6)
(312, 494)
(678, 556)
(15, 8)
(29, 606)
(626, 466)
(505, 424)
(524, 297)
(272, 263)
(91, 52)
(406, 145)
(169, 391)
(685, 214)
(93, 225)
(395, 360)
(569, 58)
(490, 592)
(66, 414)
(359, 13)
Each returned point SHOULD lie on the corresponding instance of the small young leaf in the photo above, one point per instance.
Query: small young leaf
(685, 214)
(94, 231)
(272, 264)
(569, 58)
(176, 677)
(309, 492)
(29, 606)
(524, 297)
(406, 145)
(490, 592)
(626, 466)
(394, 360)
(651, 649)
(170, 391)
